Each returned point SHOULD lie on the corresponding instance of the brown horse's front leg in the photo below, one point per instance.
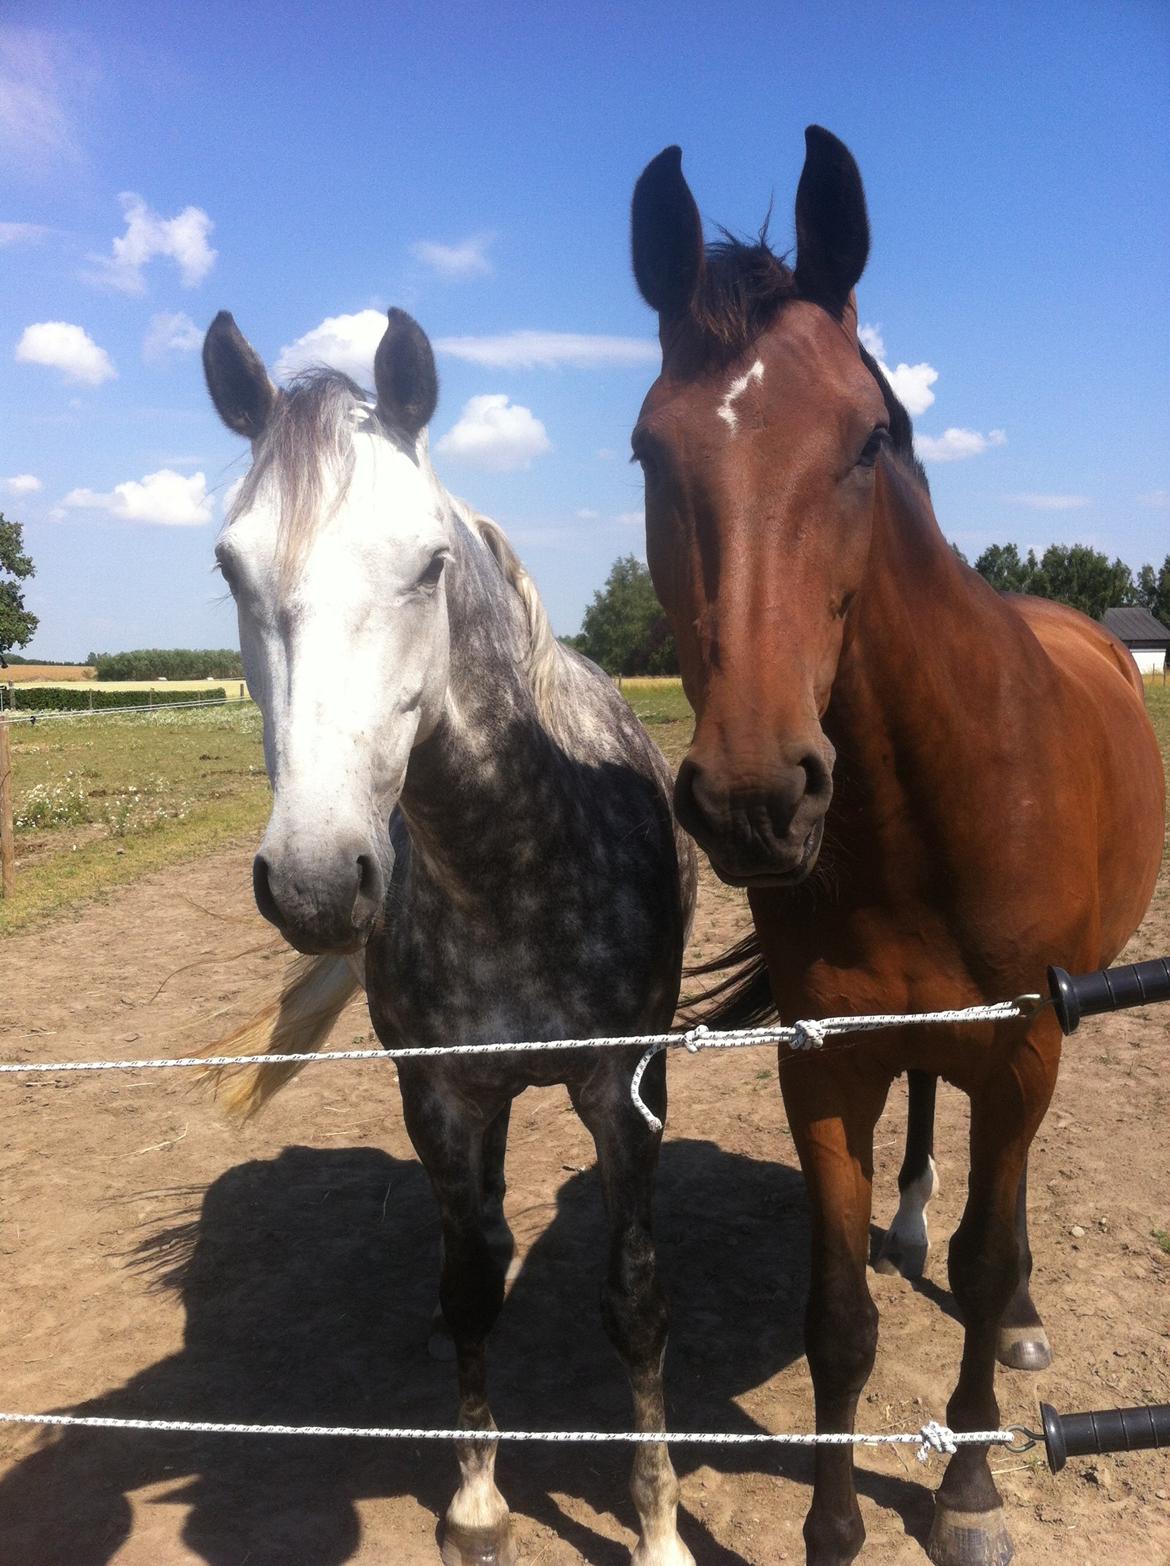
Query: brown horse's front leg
(984, 1262)
(833, 1106)
(1023, 1343)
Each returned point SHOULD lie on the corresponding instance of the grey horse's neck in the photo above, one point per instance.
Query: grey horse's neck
(476, 786)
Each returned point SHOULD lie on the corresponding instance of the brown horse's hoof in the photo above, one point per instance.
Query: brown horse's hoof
(968, 1538)
(1024, 1348)
(896, 1256)
(478, 1546)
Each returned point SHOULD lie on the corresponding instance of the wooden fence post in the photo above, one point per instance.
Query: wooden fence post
(7, 846)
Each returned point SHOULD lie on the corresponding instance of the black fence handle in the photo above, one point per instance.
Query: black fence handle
(1108, 989)
(1106, 1430)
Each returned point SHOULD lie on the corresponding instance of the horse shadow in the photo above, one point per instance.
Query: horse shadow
(308, 1282)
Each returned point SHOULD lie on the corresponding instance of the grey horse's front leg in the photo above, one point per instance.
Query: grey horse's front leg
(449, 1139)
(632, 1303)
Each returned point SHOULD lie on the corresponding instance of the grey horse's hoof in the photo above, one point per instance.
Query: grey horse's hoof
(478, 1546)
(968, 1538)
(1024, 1348)
(909, 1261)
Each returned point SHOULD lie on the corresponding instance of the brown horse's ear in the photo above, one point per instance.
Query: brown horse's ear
(405, 376)
(667, 236)
(243, 395)
(832, 229)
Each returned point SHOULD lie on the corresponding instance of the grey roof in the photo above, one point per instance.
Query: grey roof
(1135, 625)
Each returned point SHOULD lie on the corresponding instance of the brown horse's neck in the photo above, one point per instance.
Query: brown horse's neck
(915, 682)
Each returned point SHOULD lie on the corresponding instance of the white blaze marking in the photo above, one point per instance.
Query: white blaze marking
(735, 391)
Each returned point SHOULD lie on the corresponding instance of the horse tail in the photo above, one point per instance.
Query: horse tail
(298, 1021)
(742, 998)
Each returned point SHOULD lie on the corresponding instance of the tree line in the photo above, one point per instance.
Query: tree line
(625, 631)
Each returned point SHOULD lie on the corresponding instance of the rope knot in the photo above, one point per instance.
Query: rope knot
(808, 1035)
(935, 1438)
(693, 1038)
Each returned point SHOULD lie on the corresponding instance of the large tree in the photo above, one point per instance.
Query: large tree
(1001, 565)
(624, 628)
(1083, 577)
(17, 623)
(1152, 590)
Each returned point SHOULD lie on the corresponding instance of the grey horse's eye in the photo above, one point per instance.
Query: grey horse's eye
(430, 577)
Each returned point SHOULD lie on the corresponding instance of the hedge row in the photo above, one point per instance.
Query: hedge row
(169, 663)
(78, 699)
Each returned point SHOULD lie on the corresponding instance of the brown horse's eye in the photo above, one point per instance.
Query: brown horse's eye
(873, 446)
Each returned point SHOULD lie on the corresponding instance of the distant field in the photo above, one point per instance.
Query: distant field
(46, 673)
(57, 676)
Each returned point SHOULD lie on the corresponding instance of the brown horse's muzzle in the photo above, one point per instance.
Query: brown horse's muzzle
(757, 832)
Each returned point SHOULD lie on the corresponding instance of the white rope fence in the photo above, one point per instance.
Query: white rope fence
(802, 1036)
(931, 1437)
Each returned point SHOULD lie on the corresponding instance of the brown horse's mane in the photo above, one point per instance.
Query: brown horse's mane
(740, 291)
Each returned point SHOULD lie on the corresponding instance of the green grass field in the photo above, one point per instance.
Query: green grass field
(99, 801)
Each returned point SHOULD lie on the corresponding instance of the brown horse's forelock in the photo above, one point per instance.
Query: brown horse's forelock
(741, 289)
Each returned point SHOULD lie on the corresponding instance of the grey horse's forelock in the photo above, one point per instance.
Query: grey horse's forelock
(307, 442)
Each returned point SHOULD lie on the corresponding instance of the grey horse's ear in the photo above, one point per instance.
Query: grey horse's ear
(243, 395)
(832, 228)
(405, 376)
(666, 234)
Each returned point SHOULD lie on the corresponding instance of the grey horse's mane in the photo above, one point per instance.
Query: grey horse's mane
(308, 440)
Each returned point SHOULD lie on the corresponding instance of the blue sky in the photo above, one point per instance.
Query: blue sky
(300, 165)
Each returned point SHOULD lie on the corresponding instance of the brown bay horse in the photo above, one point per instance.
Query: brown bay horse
(930, 791)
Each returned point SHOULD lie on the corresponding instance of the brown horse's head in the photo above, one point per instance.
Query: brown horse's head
(760, 443)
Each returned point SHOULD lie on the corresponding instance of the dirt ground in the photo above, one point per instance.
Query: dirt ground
(159, 1262)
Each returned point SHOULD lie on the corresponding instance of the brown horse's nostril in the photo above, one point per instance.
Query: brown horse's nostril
(688, 801)
(262, 890)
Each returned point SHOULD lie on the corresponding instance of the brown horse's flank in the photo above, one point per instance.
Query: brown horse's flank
(977, 773)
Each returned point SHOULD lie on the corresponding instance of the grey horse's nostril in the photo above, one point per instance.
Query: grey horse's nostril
(263, 890)
(370, 890)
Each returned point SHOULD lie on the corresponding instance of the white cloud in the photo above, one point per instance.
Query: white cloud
(22, 484)
(630, 518)
(605, 454)
(169, 334)
(954, 445)
(21, 233)
(182, 238)
(1036, 502)
(165, 498)
(587, 514)
(496, 435)
(458, 262)
(37, 70)
(1158, 499)
(345, 342)
(67, 348)
(910, 383)
(550, 350)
